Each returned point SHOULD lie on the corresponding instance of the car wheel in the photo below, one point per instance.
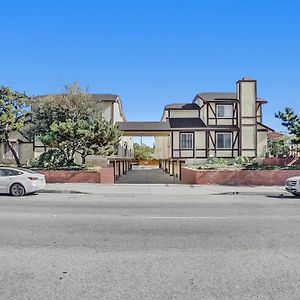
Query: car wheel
(17, 190)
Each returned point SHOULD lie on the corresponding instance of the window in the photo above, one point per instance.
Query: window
(224, 140)
(186, 141)
(9, 172)
(224, 111)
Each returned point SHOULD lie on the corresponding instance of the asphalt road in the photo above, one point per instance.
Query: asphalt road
(55, 246)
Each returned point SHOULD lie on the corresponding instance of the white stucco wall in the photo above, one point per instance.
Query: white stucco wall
(183, 113)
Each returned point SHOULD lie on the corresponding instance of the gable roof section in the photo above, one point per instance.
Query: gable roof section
(104, 97)
(221, 96)
(183, 106)
(267, 128)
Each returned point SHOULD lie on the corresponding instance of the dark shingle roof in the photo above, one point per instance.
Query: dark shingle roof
(220, 96)
(104, 97)
(143, 126)
(186, 106)
(186, 123)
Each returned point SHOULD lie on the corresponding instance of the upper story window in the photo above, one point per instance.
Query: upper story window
(186, 141)
(224, 111)
(224, 140)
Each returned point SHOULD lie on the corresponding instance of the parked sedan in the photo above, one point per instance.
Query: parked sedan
(18, 181)
(292, 185)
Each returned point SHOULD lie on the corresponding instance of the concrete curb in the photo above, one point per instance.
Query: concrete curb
(63, 192)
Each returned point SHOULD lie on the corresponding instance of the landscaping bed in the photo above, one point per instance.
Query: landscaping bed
(105, 175)
(240, 171)
(236, 176)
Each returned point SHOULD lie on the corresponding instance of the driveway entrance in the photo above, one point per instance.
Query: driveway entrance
(146, 175)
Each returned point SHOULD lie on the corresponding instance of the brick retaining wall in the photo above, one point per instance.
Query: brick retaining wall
(281, 161)
(105, 176)
(237, 177)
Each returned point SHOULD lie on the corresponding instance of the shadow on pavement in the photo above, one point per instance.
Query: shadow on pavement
(282, 196)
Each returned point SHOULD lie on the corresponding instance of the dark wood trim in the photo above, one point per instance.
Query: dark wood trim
(221, 119)
(235, 140)
(222, 101)
(239, 144)
(172, 140)
(207, 143)
(194, 144)
(262, 130)
(214, 113)
(207, 112)
(248, 125)
(33, 143)
(22, 142)
(234, 143)
(112, 112)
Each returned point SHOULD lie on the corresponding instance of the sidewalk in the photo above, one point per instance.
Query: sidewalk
(162, 189)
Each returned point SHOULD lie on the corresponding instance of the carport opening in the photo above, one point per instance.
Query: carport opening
(168, 169)
(153, 170)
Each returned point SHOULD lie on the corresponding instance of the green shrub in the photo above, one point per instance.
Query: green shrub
(242, 161)
(52, 159)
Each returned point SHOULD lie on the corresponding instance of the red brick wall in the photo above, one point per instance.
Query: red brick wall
(105, 176)
(237, 177)
(281, 161)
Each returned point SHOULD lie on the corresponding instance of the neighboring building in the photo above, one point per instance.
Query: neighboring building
(27, 148)
(223, 125)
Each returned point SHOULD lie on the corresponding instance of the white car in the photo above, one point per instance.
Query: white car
(19, 181)
(292, 185)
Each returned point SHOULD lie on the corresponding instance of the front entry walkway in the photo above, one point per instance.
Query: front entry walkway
(146, 175)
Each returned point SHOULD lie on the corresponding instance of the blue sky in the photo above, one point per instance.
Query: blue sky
(152, 52)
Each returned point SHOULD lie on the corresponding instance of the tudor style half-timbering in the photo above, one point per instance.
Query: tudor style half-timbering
(214, 125)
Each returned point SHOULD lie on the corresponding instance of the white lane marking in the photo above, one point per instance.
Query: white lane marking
(155, 217)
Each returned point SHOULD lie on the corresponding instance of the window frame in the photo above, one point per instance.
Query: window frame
(12, 172)
(192, 140)
(225, 117)
(231, 140)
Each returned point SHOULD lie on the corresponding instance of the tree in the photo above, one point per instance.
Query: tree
(86, 137)
(99, 137)
(291, 121)
(142, 152)
(74, 104)
(73, 123)
(14, 109)
(278, 147)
